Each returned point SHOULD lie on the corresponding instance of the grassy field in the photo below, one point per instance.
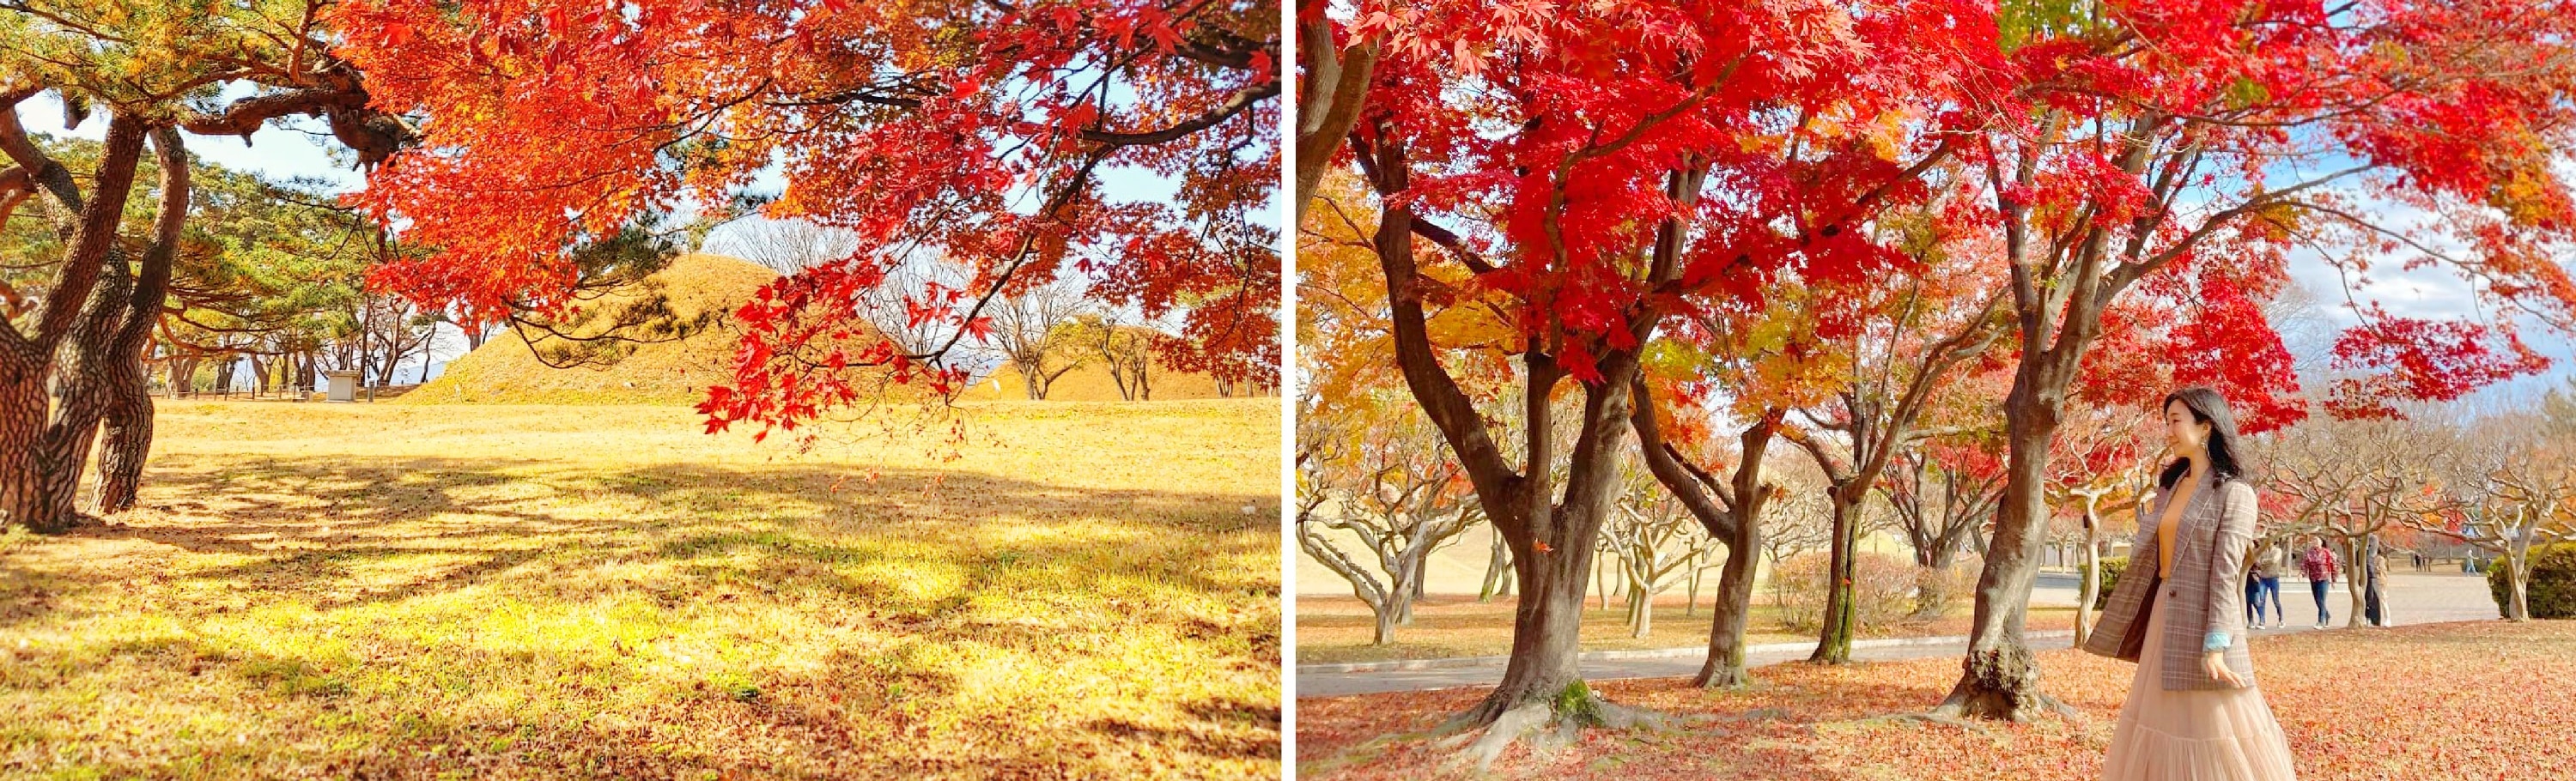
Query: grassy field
(1338, 629)
(399, 591)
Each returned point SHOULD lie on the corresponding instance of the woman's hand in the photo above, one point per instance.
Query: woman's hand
(2216, 661)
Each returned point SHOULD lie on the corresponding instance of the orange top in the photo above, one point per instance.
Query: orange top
(2171, 524)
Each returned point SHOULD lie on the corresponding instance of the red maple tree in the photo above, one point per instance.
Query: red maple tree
(1603, 173)
(977, 133)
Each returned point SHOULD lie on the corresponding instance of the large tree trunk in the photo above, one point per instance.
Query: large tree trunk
(84, 367)
(1841, 619)
(22, 435)
(2000, 676)
(36, 485)
(108, 372)
(1552, 550)
(126, 442)
(1732, 608)
(1547, 630)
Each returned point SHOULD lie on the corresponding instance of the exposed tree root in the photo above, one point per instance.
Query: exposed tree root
(2024, 707)
(1550, 725)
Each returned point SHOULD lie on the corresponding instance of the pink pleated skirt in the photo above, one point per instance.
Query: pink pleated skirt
(2197, 735)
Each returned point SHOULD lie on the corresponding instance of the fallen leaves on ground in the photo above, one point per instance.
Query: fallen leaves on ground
(1333, 629)
(2485, 700)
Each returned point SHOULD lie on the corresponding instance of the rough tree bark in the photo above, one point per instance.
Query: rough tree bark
(126, 439)
(29, 474)
(103, 358)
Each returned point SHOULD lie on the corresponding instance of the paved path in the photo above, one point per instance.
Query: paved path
(2412, 597)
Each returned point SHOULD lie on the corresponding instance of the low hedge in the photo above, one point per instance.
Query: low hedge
(2553, 581)
(2112, 566)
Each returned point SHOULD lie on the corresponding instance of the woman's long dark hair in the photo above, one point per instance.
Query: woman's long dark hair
(2206, 407)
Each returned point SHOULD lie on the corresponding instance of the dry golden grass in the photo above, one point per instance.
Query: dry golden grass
(1091, 382)
(334, 591)
(505, 371)
(1339, 629)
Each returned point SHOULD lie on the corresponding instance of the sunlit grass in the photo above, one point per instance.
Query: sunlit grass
(322, 590)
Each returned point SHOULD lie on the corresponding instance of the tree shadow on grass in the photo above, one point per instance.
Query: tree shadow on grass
(909, 587)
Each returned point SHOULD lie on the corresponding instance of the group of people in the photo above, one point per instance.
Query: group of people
(2321, 566)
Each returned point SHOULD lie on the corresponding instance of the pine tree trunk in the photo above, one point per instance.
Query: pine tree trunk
(22, 434)
(124, 390)
(73, 429)
(126, 442)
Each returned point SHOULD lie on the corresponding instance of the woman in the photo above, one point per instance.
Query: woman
(2267, 572)
(2193, 710)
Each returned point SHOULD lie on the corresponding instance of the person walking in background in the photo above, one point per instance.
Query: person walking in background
(2267, 576)
(2253, 592)
(2321, 568)
(2373, 568)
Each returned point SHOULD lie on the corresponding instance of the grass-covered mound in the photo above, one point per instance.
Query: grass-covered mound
(506, 371)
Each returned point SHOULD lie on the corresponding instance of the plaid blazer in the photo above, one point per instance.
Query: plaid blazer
(2206, 591)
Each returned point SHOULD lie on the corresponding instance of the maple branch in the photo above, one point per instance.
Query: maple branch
(1668, 467)
(2130, 271)
(1235, 104)
(1456, 247)
(1337, 86)
(1497, 485)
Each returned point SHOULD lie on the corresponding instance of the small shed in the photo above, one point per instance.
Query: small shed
(344, 386)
